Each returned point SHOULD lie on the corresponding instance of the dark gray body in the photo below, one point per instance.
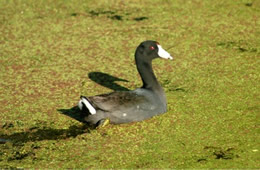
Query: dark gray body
(136, 105)
(127, 106)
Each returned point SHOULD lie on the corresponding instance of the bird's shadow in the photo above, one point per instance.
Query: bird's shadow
(47, 133)
(40, 133)
(103, 79)
(107, 81)
(74, 113)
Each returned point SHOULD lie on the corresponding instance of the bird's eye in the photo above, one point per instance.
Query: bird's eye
(152, 48)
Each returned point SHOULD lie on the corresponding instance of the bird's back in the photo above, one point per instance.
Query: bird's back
(128, 106)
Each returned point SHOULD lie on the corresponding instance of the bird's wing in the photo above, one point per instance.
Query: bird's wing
(115, 100)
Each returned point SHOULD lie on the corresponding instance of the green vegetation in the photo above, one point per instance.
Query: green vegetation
(49, 48)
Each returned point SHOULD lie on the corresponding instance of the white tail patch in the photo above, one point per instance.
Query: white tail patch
(84, 101)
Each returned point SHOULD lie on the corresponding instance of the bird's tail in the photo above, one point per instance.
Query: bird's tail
(85, 104)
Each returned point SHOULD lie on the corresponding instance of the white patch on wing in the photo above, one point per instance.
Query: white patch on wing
(84, 101)
(124, 114)
(163, 54)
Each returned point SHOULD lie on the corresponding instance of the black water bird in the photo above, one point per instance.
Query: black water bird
(130, 106)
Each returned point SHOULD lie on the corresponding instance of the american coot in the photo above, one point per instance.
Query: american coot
(130, 106)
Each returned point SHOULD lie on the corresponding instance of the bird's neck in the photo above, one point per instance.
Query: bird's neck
(149, 80)
(148, 77)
